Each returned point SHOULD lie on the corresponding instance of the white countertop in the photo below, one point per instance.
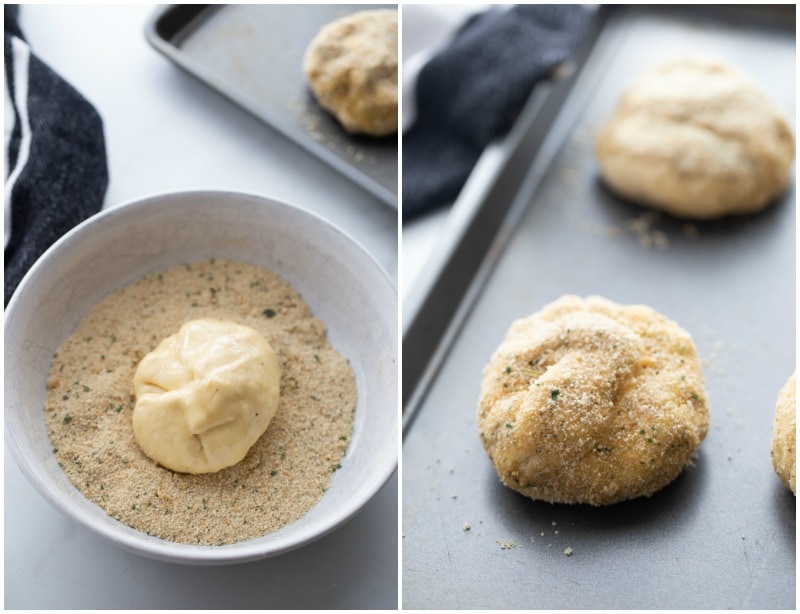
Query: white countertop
(166, 131)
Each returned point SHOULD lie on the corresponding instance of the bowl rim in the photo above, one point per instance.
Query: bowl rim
(137, 541)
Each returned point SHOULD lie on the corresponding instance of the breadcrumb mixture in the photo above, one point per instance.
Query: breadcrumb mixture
(90, 403)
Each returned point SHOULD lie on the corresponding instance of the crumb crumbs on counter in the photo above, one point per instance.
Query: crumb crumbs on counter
(642, 227)
(690, 231)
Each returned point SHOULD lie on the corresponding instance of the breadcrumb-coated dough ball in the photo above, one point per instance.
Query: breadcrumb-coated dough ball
(351, 67)
(588, 401)
(784, 435)
(699, 139)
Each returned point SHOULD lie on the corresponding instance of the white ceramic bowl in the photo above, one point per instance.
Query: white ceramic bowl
(343, 285)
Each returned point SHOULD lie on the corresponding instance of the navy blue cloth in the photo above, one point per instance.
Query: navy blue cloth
(471, 93)
(56, 160)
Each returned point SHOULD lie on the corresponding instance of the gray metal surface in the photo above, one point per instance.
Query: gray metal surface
(723, 534)
(253, 53)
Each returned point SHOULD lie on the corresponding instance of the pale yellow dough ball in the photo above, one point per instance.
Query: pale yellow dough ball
(589, 401)
(205, 395)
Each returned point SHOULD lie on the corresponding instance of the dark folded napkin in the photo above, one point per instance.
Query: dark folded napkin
(56, 173)
(471, 93)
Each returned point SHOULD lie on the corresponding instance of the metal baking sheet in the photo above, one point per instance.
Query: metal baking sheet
(253, 53)
(722, 535)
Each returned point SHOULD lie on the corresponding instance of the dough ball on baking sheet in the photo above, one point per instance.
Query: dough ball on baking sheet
(696, 138)
(589, 401)
(205, 395)
(784, 435)
(351, 68)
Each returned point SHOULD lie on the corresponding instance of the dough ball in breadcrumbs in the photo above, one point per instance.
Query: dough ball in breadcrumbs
(698, 139)
(784, 435)
(351, 67)
(588, 401)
